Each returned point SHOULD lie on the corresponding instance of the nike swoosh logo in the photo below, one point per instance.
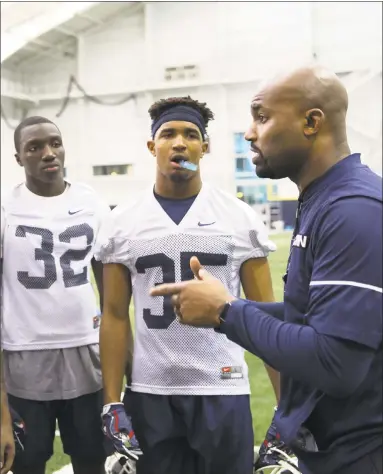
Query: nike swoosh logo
(203, 225)
(74, 212)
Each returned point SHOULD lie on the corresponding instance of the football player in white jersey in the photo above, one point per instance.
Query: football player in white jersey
(188, 389)
(50, 314)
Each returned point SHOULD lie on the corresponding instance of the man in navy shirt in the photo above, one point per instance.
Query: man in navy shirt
(326, 337)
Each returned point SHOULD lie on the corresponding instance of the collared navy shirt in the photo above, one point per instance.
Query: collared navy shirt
(328, 347)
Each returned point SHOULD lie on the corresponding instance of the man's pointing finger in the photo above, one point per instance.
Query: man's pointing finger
(167, 289)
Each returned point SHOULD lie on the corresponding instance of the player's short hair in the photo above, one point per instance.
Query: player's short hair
(165, 104)
(26, 123)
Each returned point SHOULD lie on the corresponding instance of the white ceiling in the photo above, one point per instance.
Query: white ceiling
(32, 30)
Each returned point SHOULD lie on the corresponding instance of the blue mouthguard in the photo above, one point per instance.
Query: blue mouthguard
(189, 166)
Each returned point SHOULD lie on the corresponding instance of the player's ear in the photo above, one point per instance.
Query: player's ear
(17, 156)
(205, 146)
(314, 121)
(151, 148)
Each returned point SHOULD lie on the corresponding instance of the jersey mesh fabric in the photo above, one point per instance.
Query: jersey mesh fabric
(47, 246)
(196, 355)
(170, 358)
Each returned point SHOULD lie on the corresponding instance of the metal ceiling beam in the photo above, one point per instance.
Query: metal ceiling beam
(32, 47)
(90, 18)
(26, 62)
(37, 53)
(133, 8)
(41, 43)
(65, 31)
(47, 53)
(36, 56)
(14, 40)
(61, 46)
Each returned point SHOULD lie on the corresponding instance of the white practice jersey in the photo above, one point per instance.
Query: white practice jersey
(47, 246)
(223, 232)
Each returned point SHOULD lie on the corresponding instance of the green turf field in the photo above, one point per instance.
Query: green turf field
(262, 398)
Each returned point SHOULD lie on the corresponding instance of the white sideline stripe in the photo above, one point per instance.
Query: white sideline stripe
(65, 470)
(347, 283)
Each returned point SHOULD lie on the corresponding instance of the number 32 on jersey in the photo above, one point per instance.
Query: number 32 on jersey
(44, 253)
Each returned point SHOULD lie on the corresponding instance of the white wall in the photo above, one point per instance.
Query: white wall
(228, 41)
(47, 76)
(235, 45)
(11, 173)
(348, 35)
(96, 135)
(11, 81)
(112, 58)
(365, 119)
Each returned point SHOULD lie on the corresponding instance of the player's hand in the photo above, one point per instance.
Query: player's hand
(7, 444)
(117, 426)
(197, 302)
(19, 431)
(268, 457)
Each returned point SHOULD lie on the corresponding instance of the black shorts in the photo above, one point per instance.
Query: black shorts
(186, 434)
(79, 421)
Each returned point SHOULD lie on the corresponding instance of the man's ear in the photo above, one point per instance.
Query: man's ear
(151, 147)
(314, 121)
(17, 156)
(205, 147)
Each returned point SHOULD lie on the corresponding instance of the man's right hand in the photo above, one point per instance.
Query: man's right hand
(7, 443)
(117, 426)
